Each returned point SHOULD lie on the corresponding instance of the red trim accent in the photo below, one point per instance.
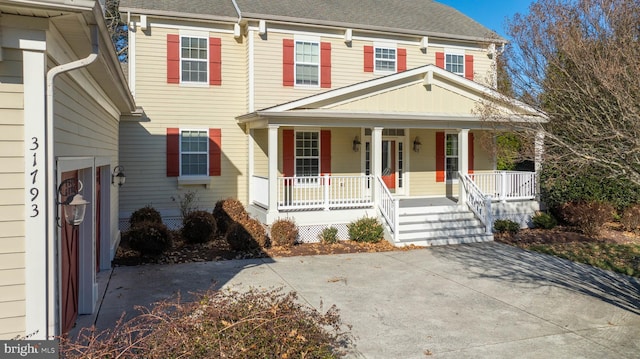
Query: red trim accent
(368, 59)
(468, 67)
(288, 153)
(173, 152)
(402, 60)
(325, 152)
(215, 61)
(215, 152)
(440, 59)
(325, 64)
(440, 158)
(288, 47)
(173, 59)
(471, 153)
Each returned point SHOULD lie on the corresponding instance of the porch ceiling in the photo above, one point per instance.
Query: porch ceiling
(424, 97)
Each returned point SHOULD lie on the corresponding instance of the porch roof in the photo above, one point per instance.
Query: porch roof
(423, 97)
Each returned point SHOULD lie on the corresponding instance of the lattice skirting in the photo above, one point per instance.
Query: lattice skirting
(309, 234)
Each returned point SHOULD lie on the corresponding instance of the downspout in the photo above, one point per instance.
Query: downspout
(52, 219)
(235, 5)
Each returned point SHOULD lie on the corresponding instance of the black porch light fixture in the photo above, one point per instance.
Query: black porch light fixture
(417, 144)
(73, 204)
(356, 144)
(118, 177)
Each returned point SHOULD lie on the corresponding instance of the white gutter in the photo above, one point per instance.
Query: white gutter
(50, 165)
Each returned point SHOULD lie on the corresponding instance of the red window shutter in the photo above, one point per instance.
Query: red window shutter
(468, 67)
(288, 63)
(215, 61)
(440, 159)
(471, 153)
(440, 59)
(325, 152)
(173, 152)
(368, 59)
(402, 60)
(325, 64)
(215, 152)
(173, 59)
(288, 153)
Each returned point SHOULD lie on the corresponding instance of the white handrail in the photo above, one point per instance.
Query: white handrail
(478, 202)
(506, 185)
(389, 206)
(324, 192)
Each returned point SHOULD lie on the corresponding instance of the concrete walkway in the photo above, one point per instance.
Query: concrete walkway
(484, 300)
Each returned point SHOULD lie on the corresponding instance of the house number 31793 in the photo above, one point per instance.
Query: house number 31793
(34, 191)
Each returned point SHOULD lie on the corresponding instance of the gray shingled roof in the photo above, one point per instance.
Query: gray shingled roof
(421, 17)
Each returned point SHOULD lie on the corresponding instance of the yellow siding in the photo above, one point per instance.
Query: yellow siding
(171, 105)
(260, 153)
(345, 162)
(413, 98)
(347, 66)
(12, 246)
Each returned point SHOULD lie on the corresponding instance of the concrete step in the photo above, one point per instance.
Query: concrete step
(406, 235)
(431, 210)
(436, 217)
(439, 241)
(421, 225)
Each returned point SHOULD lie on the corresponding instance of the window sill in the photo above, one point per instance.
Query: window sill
(195, 84)
(194, 181)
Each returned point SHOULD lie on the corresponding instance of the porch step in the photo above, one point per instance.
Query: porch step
(439, 225)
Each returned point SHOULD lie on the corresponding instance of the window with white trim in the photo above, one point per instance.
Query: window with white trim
(194, 152)
(451, 156)
(454, 63)
(307, 154)
(194, 59)
(307, 63)
(385, 59)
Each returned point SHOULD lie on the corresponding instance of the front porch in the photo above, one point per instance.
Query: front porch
(318, 202)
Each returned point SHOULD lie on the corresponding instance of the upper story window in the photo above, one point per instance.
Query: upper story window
(307, 63)
(385, 59)
(454, 63)
(194, 152)
(194, 59)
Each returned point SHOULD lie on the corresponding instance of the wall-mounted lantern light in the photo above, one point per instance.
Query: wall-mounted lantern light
(417, 144)
(356, 144)
(118, 177)
(73, 204)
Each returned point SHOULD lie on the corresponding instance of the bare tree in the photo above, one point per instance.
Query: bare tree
(578, 61)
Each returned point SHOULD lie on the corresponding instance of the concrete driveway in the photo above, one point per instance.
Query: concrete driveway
(485, 300)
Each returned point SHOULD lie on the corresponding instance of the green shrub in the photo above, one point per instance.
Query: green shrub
(284, 233)
(365, 229)
(586, 186)
(544, 220)
(220, 324)
(227, 211)
(329, 235)
(145, 214)
(199, 227)
(630, 218)
(149, 238)
(505, 226)
(588, 217)
(246, 236)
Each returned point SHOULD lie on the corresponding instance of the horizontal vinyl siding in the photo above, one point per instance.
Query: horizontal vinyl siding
(12, 245)
(347, 66)
(11, 67)
(143, 147)
(260, 151)
(345, 162)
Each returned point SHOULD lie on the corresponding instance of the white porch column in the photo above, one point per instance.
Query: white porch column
(273, 172)
(539, 153)
(463, 162)
(376, 159)
(250, 164)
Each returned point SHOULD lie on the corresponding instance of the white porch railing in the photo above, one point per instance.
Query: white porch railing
(260, 191)
(389, 206)
(506, 185)
(479, 203)
(324, 192)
